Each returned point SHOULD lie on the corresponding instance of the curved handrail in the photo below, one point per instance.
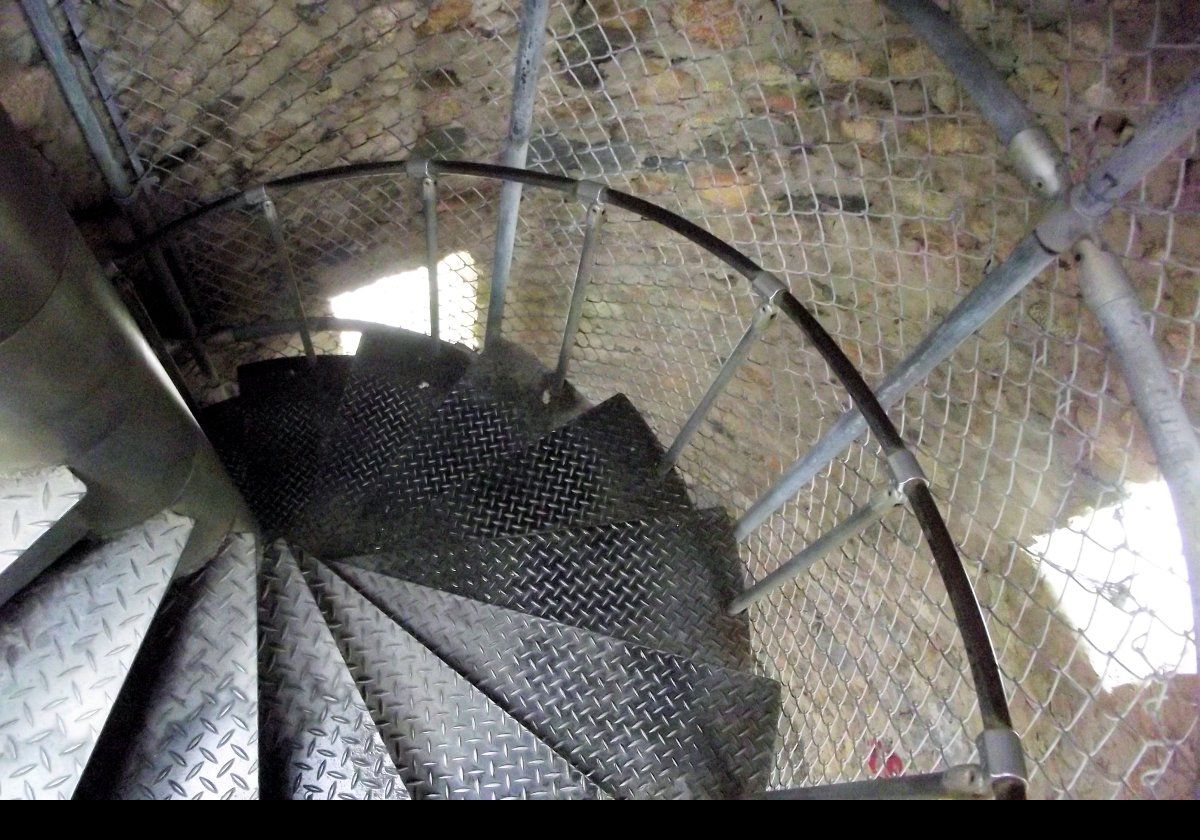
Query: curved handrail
(985, 672)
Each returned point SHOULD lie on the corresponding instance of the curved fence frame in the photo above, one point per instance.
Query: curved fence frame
(999, 748)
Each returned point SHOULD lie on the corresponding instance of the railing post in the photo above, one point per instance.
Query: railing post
(839, 535)
(421, 169)
(262, 198)
(525, 79)
(762, 317)
(592, 194)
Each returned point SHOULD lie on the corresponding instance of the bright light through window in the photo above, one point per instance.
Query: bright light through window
(402, 300)
(1120, 576)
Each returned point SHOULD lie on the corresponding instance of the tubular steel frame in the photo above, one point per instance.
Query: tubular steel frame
(1007, 776)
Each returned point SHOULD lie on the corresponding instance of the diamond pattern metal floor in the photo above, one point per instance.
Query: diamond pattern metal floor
(659, 582)
(448, 740)
(69, 640)
(318, 740)
(186, 723)
(641, 722)
(37, 523)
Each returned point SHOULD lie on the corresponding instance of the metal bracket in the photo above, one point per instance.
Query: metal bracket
(590, 192)
(905, 469)
(768, 286)
(420, 168)
(1002, 756)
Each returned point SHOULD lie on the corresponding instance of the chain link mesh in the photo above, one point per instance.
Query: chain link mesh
(823, 140)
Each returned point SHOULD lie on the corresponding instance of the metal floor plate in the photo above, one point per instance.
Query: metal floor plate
(600, 467)
(661, 582)
(318, 740)
(36, 523)
(448, 740)
(640, 722)
(186, 724)
(69, 640)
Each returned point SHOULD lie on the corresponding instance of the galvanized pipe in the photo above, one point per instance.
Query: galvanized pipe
(1171, 125)
(1033, 152)
(1111, 297)
(832, 540)
(525, 78)
(583, 275)
(80, 386)
(429, 208)
(46, 33)
(275, 227)
(763, 316)
(967, 781)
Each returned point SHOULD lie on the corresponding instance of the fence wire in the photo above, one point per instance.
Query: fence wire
(827, 143)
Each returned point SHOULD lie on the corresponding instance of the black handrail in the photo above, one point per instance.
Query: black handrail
(985, 672)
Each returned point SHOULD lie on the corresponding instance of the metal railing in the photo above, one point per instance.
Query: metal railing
(999, 748)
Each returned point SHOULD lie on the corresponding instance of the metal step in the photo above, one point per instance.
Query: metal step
(661, 582)
(448, 740)
(38, 522)
(69, 640)
(289, 408)
(641, 722)
(318, 740)
(186, 723)
(601, 467)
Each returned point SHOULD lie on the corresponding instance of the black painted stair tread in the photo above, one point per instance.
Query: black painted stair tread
(317, 738)
(642, 722)
(186, 723)
(661, 582)
(602, 466)
(289, 408)
(447, 739)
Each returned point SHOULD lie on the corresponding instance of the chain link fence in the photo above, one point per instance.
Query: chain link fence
(827, 143)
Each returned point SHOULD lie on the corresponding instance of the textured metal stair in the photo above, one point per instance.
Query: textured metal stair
(448, 740)
(38, 522)
(641, 722)
(660, 582)
(318, 740)
(186, 723)
(69, 640)
(602, 466)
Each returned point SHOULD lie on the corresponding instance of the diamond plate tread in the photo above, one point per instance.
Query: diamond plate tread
(30, 503)
(448, 740)
(600, 467)
(660, 582)
(318, 740)
(38, 522)
(270, 377)
(224, 424)
(641, 722)
(68, 641)
(186, 723)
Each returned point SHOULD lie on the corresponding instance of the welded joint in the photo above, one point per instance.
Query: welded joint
(905, 469)
(1038, 161)
(590, 192)
(419, 169)
(1002, 756)
(768, 286)
(1060, 228)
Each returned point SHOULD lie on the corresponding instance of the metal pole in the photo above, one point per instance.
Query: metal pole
(271, 215)
(45, 31)
(830, 541)
(429, 207)
(1171, 125)
(583, 274)
(762, 317)
(1109, 294)
(1034, 154)
(966, 781)
(525, 79)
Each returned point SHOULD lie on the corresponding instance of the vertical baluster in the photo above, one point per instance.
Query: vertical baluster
(593, 194)
(261, 197)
